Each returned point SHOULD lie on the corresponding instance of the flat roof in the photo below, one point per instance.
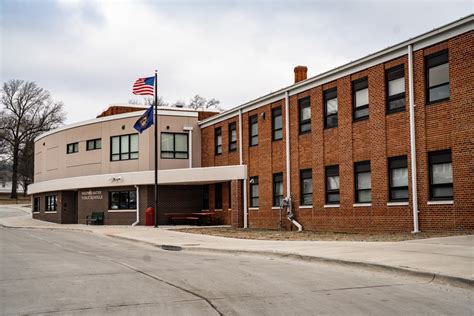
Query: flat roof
(163, 111)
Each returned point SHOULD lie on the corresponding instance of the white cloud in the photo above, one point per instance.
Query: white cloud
(88, 54)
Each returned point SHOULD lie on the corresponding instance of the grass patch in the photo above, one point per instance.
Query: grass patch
(270, 234)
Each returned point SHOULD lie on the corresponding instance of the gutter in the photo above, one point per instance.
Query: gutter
(241, 156)
(289, 211)
(138, 206)
(411, 94)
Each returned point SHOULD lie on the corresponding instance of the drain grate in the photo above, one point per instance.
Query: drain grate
(171, 248)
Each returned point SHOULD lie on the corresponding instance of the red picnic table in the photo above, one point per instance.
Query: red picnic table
(202, 217)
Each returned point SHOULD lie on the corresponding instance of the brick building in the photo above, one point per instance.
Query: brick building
(345, 156)
(384, 143)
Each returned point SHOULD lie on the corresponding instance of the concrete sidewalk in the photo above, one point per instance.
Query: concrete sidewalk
(448, 259)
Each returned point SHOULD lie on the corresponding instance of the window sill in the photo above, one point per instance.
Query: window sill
(362, 204)
(366, 118)
(37, 212)
(437, 101)
(49, 212)
(306, 206)
(253, 208)
(275, 207)
(329, 127)
(397, 203)
(446, 202)
(218, 210)
(401, 110)
(122, 211)
(332, 205)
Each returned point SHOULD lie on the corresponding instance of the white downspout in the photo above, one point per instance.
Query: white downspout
(190, 143)
(138, 206)
(288, 170)
(241, 155)
(411, 94)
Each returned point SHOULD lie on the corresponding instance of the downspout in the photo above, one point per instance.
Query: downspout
(241, 156)
(411, 94)
(138, 206)
(290, 215)
(190, 143)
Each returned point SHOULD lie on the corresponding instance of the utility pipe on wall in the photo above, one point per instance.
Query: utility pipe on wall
(411, 97)
(241, 156)
(290, 214)
(138, 206)
(190, 143)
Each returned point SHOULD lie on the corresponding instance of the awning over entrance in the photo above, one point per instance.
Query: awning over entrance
(170, 176)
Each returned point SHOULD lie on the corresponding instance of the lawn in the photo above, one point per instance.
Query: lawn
(268, 234)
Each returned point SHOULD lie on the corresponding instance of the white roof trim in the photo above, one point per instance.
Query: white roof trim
(171, 176)
(179, 112)
(443, 33)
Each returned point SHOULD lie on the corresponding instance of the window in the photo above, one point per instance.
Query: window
(441, 175)
(306, 185)
(174, 146)
(277, 124)
(72, 148)
(51, 203)
(232, 136)
(395, 83)
(253, 130)
(122, 200)
(360, 99)
(124, 147)
(332, 185)
(254, 202)
(218, 141)
(363, 182)
(398, 178)
(218, 191)
(277, 189)
(36, 205)
(437, 77)
(94, 144)
(304, 106)
(330, 108)
(205, 197)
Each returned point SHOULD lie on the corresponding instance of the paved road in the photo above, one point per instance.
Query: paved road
(77, 273)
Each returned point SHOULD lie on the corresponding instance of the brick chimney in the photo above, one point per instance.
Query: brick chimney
(301, 73)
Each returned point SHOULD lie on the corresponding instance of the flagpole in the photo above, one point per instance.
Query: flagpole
(156, 150)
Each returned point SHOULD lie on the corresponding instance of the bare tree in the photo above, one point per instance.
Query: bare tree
(28, 110)
(202, 104)
(148, 101)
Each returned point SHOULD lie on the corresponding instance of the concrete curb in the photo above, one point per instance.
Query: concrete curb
(432, 277)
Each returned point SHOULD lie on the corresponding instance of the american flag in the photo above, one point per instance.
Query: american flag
(144, 86)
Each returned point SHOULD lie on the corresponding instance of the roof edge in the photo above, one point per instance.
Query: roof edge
(461, 24)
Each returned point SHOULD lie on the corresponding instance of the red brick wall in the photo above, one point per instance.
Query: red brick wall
(446, 125)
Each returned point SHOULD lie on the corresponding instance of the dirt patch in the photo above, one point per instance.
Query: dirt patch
(268, 234)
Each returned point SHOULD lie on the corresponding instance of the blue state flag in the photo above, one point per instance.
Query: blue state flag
(145, 121)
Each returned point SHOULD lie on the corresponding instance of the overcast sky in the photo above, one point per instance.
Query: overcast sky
(89, 53)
